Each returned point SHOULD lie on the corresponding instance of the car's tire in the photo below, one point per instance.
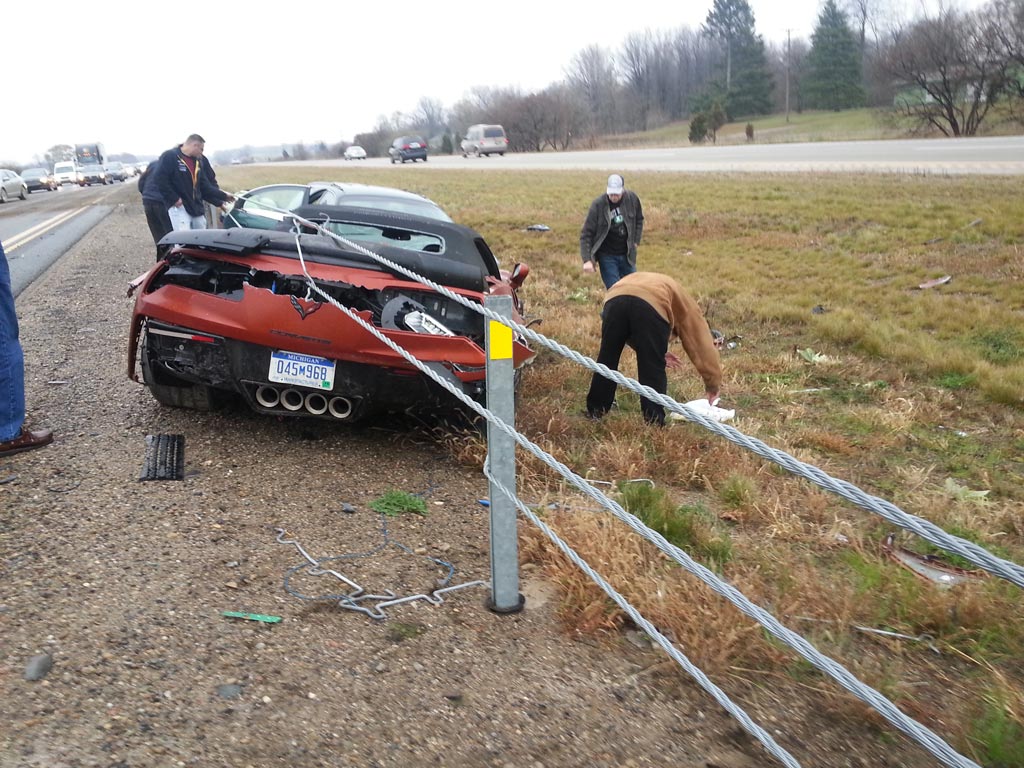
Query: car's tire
(3, 195)
(392, 161)
(24, 193)
(424, 159)
(173, 392)
(501, 154)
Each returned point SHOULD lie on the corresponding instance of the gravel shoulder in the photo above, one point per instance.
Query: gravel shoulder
(124, 584)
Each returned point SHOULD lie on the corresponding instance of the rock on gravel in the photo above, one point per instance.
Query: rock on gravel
(38, 667)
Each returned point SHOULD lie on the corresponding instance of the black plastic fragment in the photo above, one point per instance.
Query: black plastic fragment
(165, 458)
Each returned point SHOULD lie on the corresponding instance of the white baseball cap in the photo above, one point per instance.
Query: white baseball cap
(615, 184)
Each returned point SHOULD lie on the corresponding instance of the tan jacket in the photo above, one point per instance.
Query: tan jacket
(684, 316)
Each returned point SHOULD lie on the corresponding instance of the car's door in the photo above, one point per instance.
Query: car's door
(262, 208)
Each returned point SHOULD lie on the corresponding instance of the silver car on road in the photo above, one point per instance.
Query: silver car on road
(11, 185)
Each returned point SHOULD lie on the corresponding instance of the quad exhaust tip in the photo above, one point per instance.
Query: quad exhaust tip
(314, 403)
(340, 407)
(292, 399)
(268, 397)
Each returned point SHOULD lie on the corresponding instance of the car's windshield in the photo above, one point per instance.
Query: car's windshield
(285, 198)
(398, 204)
(61, 167)
(34, 172)
(400, 238)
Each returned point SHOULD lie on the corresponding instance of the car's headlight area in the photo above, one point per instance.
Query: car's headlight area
(429, 313)
(421, 322)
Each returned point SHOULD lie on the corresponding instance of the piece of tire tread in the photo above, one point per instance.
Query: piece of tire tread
(165, 458)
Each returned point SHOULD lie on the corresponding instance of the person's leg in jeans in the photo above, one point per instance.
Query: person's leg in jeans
(12, 360)
(625, 268)
(609, 266)
(650, 340)
(616, 327)
(614, 268)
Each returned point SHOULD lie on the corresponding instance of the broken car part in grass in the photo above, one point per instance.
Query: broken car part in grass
(356, 598)
(928, 567)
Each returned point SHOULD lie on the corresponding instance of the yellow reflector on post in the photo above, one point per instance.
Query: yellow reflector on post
(501, 341)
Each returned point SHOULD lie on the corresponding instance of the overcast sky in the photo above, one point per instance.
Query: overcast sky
(140, 77)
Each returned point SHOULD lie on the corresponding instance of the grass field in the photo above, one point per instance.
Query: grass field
(811, 125)
(915, 395)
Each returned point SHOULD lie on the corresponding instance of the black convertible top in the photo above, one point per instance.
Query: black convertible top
(465, 262)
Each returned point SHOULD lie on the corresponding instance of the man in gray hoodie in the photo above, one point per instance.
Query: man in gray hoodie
(612, 231)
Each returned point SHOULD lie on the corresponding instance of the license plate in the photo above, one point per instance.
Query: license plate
(301, 370)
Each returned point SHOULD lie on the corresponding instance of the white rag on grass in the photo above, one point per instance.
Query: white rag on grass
(706, 409)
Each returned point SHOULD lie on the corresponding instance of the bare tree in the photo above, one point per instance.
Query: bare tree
(953, 69)
(636, 58)
(591, 74)
(430, 117)
(568, 116)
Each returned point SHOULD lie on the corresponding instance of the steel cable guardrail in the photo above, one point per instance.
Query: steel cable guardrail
(927, 530)
(924, 736)
(638, 618)
(741, 717)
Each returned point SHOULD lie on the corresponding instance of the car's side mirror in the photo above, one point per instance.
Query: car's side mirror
(519, 274)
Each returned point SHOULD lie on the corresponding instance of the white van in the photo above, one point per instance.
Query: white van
(484, 140)
(66, 173)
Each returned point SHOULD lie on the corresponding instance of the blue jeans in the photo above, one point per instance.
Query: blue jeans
(12, 361)
(613, 268)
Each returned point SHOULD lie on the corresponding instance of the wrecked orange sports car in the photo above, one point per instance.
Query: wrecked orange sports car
(230, 313)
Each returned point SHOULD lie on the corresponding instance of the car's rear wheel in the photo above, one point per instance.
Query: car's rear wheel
(24, 193)
(3, 195)
(392, 161)
(168, 389)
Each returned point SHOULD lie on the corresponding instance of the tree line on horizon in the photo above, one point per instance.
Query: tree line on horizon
(945, 71)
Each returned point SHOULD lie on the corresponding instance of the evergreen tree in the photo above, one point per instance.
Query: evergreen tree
(751, 91)
(748, 83)
(732, 22)
(833, 77)
(698, 128)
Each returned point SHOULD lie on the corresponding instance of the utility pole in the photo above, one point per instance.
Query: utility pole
(787, 74)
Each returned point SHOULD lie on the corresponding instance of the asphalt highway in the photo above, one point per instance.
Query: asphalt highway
(1001, 155)
(37, 231)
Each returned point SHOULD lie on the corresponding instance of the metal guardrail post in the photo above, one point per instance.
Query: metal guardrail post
(501, 458)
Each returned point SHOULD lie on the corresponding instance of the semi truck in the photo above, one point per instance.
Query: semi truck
(91, 159)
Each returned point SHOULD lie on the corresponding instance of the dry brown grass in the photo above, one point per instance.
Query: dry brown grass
(920, 386)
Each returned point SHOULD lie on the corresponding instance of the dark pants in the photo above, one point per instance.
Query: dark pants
(627, 319)
(159, 223)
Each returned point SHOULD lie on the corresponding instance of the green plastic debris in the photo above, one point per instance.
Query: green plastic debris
(252, 617)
